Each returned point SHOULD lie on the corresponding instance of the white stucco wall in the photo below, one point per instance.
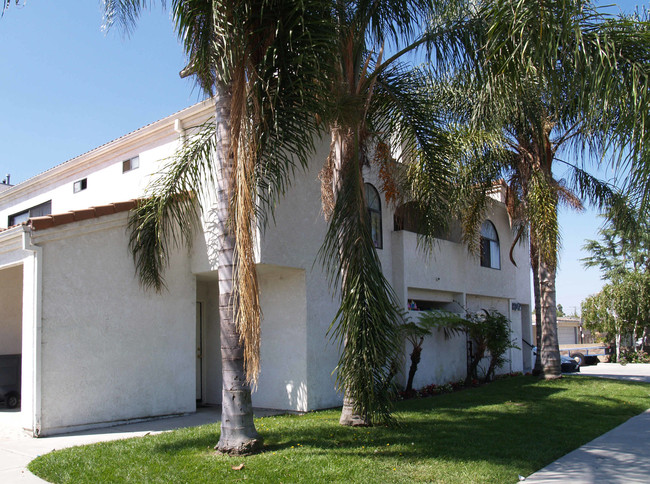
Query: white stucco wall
(11, 310)
(452, 268)
(442, 360)
(111, 350)
(106, 183)
(153, 144)
(94, 309)
(293, 241)
(283, 375)
(449, 274)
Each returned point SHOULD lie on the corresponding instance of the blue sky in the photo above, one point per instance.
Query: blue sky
(67, 87)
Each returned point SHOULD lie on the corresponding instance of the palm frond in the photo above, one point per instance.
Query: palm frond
(168, 216)
(451, 324)
(125, 13)
(542, 201)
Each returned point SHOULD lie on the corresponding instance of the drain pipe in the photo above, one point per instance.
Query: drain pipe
(36, 292)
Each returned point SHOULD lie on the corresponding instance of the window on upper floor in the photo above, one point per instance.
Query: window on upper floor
(130, 164)
(35, 211)
(80, 185)
(490, 251)
(373, 203)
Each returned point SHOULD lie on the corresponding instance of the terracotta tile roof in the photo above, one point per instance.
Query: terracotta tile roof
(3, 230)
(54, 220)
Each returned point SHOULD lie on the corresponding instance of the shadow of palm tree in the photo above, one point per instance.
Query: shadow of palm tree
(525, 421)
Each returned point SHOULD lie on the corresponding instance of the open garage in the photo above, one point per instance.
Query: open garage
(11, 311)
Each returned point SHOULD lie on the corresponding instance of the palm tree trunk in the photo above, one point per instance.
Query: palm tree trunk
(349, 417)
(534, 262)
(415, 361)
(339, 156)
(238, 434)
(550, 349)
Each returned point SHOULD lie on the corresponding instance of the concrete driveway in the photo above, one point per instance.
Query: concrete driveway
(631, 371)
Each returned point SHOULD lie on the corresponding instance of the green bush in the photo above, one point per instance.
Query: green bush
(632, 356)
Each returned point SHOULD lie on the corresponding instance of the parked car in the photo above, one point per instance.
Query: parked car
(10, 396)
(10, 380)
(569, 365)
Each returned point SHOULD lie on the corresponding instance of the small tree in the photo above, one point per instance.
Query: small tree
(598, 316)
(489, 332)
(414, 334)
(623, 256)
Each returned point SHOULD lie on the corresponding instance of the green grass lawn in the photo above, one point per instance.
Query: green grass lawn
(491, 433)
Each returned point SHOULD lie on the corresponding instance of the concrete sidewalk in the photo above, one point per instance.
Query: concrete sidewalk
(618, 456)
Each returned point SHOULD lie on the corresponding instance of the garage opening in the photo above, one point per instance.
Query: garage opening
(11, 317)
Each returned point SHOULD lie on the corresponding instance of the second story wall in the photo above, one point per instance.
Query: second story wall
(117, 171)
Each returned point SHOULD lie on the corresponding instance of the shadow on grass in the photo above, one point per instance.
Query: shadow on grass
(486, 434)
(519, 420)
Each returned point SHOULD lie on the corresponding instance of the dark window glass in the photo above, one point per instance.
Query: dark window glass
(18, 218)
(490, 251)
(132, 164)
(80, 185)
(374, 214)
(36, 211)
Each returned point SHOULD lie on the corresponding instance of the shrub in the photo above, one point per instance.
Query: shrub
(631, 356)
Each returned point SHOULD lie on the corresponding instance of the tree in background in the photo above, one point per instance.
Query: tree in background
(623, 256)
(619, 308)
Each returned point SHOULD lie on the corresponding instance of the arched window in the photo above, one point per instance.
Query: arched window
(490, 253)
(374, 214)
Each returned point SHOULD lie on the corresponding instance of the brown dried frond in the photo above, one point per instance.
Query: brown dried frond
(326, 177)
(386, 164)
(569, 198)
(247, 310)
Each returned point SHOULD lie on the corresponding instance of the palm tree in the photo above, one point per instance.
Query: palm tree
(547, 80)
(258, 58)
(6, 4)
(379, 104)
